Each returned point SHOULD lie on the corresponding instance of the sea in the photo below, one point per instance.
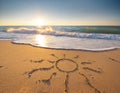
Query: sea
(92, 38)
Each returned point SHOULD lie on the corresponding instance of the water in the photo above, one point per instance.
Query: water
(94, 38)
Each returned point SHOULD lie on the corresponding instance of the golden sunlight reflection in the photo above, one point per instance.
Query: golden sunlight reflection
(41, 41)
(10, 29)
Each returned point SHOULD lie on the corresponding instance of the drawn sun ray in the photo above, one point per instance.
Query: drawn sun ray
(37, 69)
(93, 70)
(64, 56)
(48, 81)
(67, 66)
(77, 56)
(66, 83)
(114, 60)
(89, 83)
(1, 66)
(38, 61)
(51, 61)
(84, 63)
(54, 55)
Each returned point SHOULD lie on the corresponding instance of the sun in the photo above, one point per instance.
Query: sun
(39, 22)
(63, 65)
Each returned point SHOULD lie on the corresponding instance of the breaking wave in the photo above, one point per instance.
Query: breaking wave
(48, 30)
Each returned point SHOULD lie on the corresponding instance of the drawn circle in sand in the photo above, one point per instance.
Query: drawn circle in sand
(66, 65)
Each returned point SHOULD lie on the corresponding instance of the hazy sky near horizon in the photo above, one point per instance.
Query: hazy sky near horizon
(60, 12)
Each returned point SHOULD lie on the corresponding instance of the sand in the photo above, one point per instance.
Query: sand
(28, 69)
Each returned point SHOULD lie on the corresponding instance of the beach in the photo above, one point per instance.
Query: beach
(28, 69)
(59, 46)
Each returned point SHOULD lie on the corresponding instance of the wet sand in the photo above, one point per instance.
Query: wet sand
(28, 69)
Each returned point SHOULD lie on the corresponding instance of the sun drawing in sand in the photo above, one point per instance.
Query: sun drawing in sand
(58, 65)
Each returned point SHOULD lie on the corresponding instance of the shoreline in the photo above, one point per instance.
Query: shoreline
(28, 69)
(64, 49)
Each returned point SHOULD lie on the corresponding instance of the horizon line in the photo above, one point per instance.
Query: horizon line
(60, 25)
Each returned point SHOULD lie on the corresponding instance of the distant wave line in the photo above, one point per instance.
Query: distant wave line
(51, 31)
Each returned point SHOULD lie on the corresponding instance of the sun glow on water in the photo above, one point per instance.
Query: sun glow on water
(40, 40)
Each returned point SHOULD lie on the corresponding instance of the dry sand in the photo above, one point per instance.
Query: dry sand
(27, 69)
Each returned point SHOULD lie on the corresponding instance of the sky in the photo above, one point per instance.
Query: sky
(60, 12)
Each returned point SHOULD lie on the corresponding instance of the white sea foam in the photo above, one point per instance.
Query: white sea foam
(48, 41)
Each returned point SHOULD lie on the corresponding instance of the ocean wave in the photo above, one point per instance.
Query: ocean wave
(48, 30)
